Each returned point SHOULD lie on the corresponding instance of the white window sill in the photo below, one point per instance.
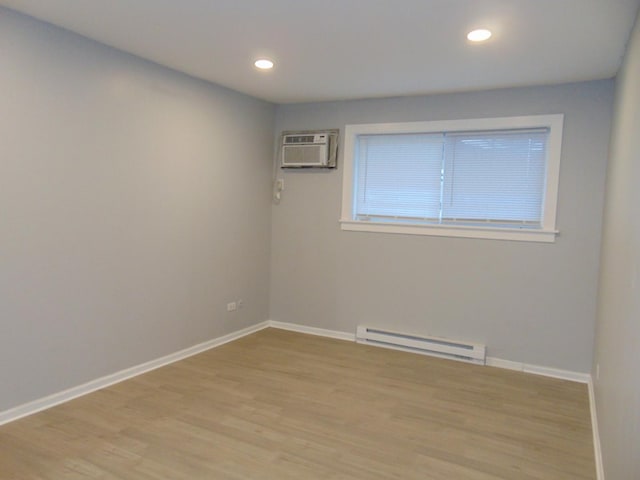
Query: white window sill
(492, 233)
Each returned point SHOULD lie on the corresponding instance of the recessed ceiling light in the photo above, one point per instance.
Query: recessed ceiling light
(263, 64)
(479, 35)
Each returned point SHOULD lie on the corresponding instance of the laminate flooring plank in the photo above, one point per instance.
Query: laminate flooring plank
(282, 405)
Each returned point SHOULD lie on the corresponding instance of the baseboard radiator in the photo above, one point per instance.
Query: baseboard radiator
(437, 347)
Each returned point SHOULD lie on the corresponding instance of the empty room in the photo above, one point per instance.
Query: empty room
(359, 239)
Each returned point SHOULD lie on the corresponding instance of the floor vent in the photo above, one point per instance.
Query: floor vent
(437, 347)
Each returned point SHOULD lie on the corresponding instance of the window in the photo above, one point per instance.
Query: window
(488, 178)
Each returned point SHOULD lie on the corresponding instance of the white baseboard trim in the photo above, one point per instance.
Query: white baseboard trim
(313, 330)
(539, 370)
(596, 432)
(35, 406)
(506, 364)
(490, 361)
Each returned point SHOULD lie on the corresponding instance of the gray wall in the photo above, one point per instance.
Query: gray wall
(531, 303)
(617, 352)
(134, 204)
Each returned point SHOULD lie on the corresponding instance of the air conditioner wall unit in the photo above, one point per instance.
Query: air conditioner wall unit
(309, 149)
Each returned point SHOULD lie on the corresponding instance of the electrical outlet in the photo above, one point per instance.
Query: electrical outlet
(240, 303)
(232, 306)
(278, 187)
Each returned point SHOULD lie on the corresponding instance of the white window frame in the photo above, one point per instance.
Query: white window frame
(546, 234)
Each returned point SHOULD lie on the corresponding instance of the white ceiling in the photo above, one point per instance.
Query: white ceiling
(339, 49)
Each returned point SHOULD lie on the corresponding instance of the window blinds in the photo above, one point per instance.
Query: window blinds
(467, 178)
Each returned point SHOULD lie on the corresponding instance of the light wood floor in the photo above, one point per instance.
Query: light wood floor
(282, 405)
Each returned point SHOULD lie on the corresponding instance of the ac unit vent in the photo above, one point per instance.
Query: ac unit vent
(295, 139)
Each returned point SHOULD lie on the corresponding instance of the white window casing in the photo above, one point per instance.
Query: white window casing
(517, 201)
